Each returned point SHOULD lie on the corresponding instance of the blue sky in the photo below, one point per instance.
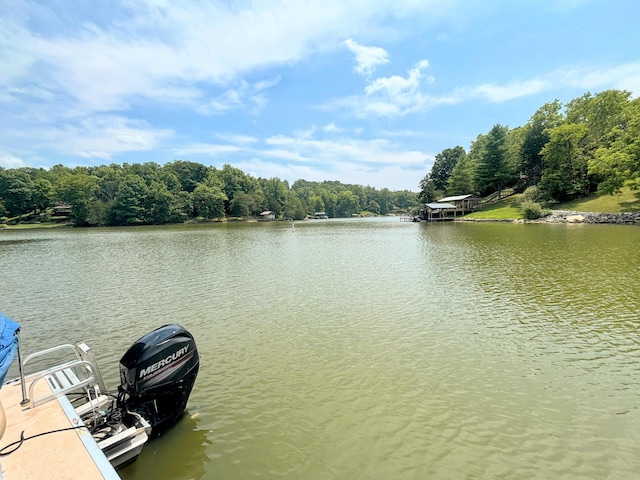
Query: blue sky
(360, 91)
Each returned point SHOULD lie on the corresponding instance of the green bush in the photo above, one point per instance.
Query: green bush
(532, 210)
(530, 194)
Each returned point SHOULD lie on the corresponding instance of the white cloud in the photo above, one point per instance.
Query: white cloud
(175, 52)
(394, 177)
(268, 83)
(372, 151)
(391, 96)
(396, 85)
(99, 137)
(379, 108)
(503, 93)
(623, 77)
(396, 95)
(102, 137)
(403, 133)
(236, 138)
(377, 162)
(367, 58)
(422, 64)
(207, 149)
(279, 140)
(283, 154)
(243, 94)
(10, 161)
(307, 133)
(94, 154)
(69, 78)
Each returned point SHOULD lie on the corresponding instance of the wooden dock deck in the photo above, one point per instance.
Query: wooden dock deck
(70, 454)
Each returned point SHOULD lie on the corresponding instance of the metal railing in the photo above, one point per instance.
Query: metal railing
(62, 378)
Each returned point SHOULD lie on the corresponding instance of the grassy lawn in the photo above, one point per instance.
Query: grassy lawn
(626, 201)
(504, 209)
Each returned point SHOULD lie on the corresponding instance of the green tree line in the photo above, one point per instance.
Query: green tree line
(565, 151)
(150, 194)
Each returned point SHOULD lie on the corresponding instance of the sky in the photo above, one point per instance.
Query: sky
(362, 91)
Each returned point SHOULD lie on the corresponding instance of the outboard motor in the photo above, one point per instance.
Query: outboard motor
(157, 374)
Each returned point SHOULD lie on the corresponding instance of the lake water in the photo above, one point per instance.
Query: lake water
(361, 348)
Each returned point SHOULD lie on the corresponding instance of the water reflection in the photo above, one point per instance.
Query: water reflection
(179, 454)
(363, 348)
(8, 241)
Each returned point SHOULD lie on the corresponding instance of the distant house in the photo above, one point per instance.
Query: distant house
(61, 210)
(320, 215)
(267, 216)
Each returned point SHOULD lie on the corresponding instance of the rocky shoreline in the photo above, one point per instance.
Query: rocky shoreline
(568, 216)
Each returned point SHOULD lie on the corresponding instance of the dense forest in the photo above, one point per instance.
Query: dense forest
(563, 152)
(180, 191)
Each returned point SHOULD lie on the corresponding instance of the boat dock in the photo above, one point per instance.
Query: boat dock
(70, 454)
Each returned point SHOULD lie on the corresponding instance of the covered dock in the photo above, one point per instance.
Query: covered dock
(449, 208)
(438, 212)
(464, 203)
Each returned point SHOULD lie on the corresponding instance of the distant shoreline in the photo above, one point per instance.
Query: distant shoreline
(556, 216)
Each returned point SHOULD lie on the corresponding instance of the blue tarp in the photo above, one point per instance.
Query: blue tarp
(8, 344)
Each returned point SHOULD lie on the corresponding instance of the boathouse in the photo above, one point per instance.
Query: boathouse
(449, 208)
(267, 216)
(61, 210)
(464, 203)
(438, 212)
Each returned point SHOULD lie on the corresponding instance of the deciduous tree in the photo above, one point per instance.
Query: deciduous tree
(619, 161)
(79, 190)
(208, 201)
(443, 165)
(565, 173)
(536, 136)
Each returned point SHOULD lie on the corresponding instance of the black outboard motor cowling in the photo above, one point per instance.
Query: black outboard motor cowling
(157, 374)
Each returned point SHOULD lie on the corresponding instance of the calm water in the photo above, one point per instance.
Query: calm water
(361, 349)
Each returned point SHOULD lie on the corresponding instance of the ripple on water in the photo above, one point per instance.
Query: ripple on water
(364, 349)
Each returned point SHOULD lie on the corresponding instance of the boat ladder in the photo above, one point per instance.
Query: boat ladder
(63, 378)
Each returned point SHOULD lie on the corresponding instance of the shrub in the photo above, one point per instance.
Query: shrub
(531, 194)
(532, 210)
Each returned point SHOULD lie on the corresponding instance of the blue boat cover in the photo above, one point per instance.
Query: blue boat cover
(8, 344)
